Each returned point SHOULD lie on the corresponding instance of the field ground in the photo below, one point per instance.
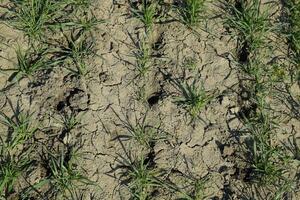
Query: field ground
(140, 99)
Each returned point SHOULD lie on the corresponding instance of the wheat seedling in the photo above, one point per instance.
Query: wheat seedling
(20, 127)
(28, 63)
(192, 11)
(12, 168)
(75, 52)
(143, 58)
(197, 191)
(146, 14)
(139, 177)
(193, 97)
(250, 24)
(64, 176)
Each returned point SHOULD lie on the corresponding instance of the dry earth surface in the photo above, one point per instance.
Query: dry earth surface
(112, 99)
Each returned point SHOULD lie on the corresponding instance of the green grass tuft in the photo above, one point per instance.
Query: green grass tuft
(34, 17)
(192, 11)
(75, 51)
(141, 179)
(20, 127)
(293, 35)
(15, 148)
(193, 97)
(38, 18)
(29, 62)
(65, 178)
(146, 14)
(143, 58)
(197, 189)
(294, 19)
(141, 131)
(249, 23)
(69, 121)
(12, 168)
(267, 159)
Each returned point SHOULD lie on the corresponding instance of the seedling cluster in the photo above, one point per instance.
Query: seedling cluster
(191, 12)
(193, 97)
(70, 27)
(251, 24)
(58, 36)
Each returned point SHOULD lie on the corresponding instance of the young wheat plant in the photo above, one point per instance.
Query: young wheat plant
(193, 97)
(74, 53)
(143, 58)
(12, 168)
(64, 176)
(191, 11)
(34, 17)
(20, 127)
(28, 63)
(293, 35)
(140, 131)
(266, 158)
(249, 23)
(142, 179)
(146, 14)
(197, 191)
(294, 19)
(37, 17)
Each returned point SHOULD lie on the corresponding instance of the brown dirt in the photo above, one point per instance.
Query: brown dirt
(108, 94)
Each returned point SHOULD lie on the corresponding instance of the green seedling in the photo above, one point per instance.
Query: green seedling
(255, 69)
(81, 68)
(293, 7)
(13, 164)
(193, 97)
(293, 35)
(11, 170)
(69, 121)
(85, 23)
(197, 189)
(141, 94)
(249, 23)
(258, 77)
(267, 159)
(190, 63)
(75, 52)
(192, 11)
(64, 177)
(140, 178)
(20, 127)
(146, 14)
(37, 17)
(141, 131)
(288, 187)
(82, 21)
(28, 63)
(143, 58)
(34, 17)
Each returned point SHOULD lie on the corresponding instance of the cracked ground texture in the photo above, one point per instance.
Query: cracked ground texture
(106, 101)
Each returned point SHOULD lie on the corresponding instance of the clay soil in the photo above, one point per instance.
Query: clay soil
(112, 98)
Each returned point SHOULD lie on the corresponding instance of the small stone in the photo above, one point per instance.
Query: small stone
(234, 110)
(23, 83)
(67, 139)
(226, 101)
(228, 151)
